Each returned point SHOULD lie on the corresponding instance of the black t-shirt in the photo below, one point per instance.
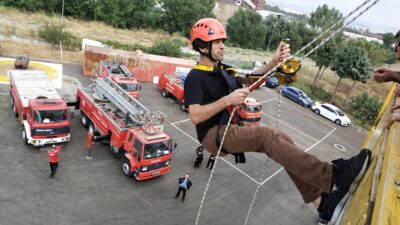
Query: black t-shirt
(203, 87)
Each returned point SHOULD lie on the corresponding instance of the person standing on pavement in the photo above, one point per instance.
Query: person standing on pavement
(199, 156)
(211, 161)
(53, 159)
(184, 184)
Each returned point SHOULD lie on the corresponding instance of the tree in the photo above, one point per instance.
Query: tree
(323, 58)
(388, 40)
(324, 17)
(145, 15)
(365, 108)
(246, 29)
(377, 54)
(52, 33)
(351, 62)
(180, 15)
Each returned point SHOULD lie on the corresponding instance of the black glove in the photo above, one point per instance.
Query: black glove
(239, 157)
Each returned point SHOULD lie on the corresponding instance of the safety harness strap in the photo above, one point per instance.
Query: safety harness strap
(233, 85)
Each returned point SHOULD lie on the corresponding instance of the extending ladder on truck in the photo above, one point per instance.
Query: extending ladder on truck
(151, 122)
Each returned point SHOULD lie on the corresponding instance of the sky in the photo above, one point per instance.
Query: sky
(383, 17)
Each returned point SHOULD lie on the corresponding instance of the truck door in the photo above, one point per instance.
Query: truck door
(134, 147)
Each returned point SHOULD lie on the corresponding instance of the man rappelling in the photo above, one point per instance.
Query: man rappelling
(210, 90)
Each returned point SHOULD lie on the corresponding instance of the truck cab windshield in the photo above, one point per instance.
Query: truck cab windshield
(154, 150)
(128, 87)
(50, 116)
(253, 108)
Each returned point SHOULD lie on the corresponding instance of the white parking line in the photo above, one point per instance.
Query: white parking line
(272, 99)
(181, 121)
(280, 121)
(308, 149)
(173, 124)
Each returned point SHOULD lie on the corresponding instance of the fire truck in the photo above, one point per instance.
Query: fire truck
(134, 133)
(250, 111)
(172, 85)
(120, 75)
(42, 112)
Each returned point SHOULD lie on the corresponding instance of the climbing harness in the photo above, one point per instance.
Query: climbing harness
(263, 78)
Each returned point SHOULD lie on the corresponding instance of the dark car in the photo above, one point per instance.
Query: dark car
(272, 82)
(296, 95)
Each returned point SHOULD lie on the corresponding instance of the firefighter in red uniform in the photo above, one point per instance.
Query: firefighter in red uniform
(53, 159)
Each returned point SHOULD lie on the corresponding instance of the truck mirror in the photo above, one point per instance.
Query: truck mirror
(135, 153)
(72, 115)
(175, 145)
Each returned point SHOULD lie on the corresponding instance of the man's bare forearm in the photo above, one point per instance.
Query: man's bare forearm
(266, 68)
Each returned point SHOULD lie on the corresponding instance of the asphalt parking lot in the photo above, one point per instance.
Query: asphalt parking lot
(96, 192)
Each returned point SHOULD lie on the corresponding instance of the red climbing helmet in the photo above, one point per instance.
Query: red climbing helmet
(207, 29)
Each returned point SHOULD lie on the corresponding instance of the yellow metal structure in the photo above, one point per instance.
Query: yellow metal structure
(377, 199)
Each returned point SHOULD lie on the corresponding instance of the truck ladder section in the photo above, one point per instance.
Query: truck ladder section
(151, 122)
(377, 199)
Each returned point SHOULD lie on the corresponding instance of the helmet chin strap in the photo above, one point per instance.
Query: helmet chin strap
(208, 54)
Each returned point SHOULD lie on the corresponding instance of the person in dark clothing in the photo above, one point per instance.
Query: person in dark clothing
(53, 160)
(210, 88)
(211, 161)
(199, 156)
(184, 184)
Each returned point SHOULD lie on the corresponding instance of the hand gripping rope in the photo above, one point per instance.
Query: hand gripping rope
(339, 27)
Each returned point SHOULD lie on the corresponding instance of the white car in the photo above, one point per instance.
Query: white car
(331, 112)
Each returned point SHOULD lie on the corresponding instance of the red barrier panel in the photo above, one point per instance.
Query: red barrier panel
(143, 66)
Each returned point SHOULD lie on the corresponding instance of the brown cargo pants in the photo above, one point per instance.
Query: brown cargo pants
(310, 175)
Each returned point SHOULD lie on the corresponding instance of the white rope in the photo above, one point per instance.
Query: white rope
(268, 75)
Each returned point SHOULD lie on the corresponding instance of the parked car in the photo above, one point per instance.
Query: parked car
(331, 112)
(296, 95)
(272, 82)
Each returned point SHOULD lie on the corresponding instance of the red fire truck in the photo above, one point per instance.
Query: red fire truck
(134, 133)
(250, 111)
(42, 112)
(120, 75)
(172, 85)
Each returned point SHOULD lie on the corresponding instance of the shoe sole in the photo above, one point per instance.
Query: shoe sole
(354, 185)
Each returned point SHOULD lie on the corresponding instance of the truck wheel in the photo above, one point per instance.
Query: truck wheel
(14, 109)
(92, 129)
(84, 120)
(24, 137)
(126, 167)
(182, 107)
(164, 93)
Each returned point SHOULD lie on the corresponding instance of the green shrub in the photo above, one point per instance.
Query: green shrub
(365, 108)
(165, 48)
(71, 42)
(127, 47)
(54, 34)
